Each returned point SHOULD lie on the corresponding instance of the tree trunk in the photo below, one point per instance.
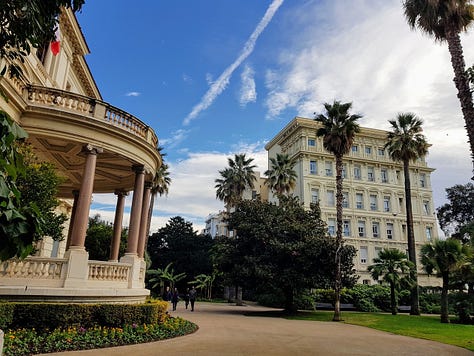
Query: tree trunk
(444, 299)
(393, 299)
(415, 303)
(339, 242)
(290, 307)
(461, 80)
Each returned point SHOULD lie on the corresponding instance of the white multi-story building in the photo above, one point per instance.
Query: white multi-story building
(374, 214)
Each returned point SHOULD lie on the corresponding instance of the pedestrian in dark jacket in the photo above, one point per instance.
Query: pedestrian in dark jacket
(186, 298)
(175, 298)
(192, 297)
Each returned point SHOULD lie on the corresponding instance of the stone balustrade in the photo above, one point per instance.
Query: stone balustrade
(92, 108)
(32, 268)
(108, 271)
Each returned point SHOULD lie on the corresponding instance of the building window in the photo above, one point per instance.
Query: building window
(355, 148)
(332, 227)
(370, 174)
(426, 207)
(344, 170)
(386, 203)
(373, 202)
(328, 169)
(361, 228)
(311, 142)
(368, 150)
(375, 229)
(314, 195)
(357, 174)
(359, 201)
(254, 194)
(330, 198)
(377, 251)
(389, 231)
(384, 175)
(363, 254)
(366, 282)
(422, 180)
(428, 233)
(345, 199)
(313, 167)
(381, 151)
(346, 226)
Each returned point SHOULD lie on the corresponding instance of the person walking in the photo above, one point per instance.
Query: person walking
(167, 295)
(192, 297)
(175, 298)
(186, 298)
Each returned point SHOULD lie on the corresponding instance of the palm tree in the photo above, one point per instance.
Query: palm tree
(235, 179)
(281, 175)
(230, 187)
(338, 130)
(445, 20)
(442, 256)
(160, 186)
(407, 143)
(391, 264)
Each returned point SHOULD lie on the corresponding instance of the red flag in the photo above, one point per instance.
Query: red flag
(55, 45)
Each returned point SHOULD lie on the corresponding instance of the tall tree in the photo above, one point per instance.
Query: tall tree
(160, 186)
(281, 175)
(338, 129)
(442, 257)
(406, 143)
(28, 23)
(98, 236)
(178, 243)
(235, 179)
(456, 217)
(390, 265)
(280, 247)
(445, 20)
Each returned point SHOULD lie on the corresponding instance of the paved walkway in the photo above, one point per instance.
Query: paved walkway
(225, 330)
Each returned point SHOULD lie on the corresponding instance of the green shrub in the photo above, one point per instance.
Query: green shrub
(6, 315)
(50, 316)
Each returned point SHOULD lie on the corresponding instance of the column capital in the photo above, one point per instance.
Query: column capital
(148, 185)
(138, 168)
(121, 192)
(92, 150)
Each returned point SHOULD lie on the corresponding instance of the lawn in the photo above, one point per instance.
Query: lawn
(422, 327)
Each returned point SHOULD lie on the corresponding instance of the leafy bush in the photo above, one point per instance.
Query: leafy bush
(50, 316)
(6, 314)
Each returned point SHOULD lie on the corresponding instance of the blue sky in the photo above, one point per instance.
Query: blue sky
(214, 78)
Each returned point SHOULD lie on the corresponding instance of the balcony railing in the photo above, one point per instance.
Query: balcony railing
(86, 106)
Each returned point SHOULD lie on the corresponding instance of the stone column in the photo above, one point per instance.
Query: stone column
(75, 193)
(144, 220)
(81, 218)
(77, 267)
(115, 244)
(136, 212)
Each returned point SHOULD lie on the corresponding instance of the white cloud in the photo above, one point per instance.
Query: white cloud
(187, 78)
(177, 137)
(209, 79)
(369, 56)
(191, 194)
(221, 83)
(133, 93)
(248, 92)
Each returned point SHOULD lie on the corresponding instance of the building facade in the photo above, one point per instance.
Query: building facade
(96, 148)
(374, 214)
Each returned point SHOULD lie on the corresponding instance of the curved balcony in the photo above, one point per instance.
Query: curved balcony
(60, 123)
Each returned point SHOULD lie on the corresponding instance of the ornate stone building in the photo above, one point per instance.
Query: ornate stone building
(96, 148)
(373, 187)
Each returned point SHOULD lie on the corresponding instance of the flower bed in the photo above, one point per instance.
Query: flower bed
(30, 341)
